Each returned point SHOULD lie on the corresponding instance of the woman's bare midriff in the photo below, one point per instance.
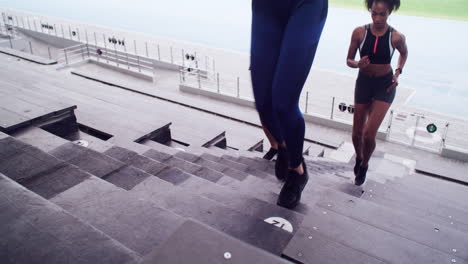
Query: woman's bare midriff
(376, 70)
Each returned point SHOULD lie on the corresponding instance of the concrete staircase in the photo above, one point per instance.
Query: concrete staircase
(137, 204)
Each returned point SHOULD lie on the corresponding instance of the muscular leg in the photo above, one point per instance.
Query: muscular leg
(376, 116)
(361, 113)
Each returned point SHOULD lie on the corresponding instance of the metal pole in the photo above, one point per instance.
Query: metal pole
(66, 57)
(63, 32)
(82, 52)
(199, 80)
(86, 35)
(50, 55)
(55, 29)
(35, 25)
(206, 63)
(146, 45)
(105, 48)
(307, 103)
(22, 22)
(238, 87)
(78, 34)
(183, 58)
(159, 54)
(415, 130)
(134, 46)
(217, 80)
(172, 56)
(42, 27)
(95, 40)
(389, 127)
(138, 63)
(126, 56)
(29, 23)
(332, 108)
(30, 47)
(116, 56)
(11, 43)
(444, 138)
(69, 30)
(214, 65)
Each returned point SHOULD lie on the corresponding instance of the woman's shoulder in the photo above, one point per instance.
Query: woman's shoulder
(397, 36)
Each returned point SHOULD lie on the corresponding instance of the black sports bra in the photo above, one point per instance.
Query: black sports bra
(379, 49)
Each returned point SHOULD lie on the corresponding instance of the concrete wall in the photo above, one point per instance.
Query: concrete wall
(455, 153)
(214, 95)
(123, 70)
(315, 119)
(52, 40)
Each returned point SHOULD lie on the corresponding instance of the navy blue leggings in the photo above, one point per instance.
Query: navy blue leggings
(285, 35)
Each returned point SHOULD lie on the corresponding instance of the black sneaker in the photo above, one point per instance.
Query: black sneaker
(361, 177)
(290, 194)
(357, 166)
(270, 154)
(282, 164)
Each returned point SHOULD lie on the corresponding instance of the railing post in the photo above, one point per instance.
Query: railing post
(55, 29)
(214, 65)
(69, 31)
(238, 87)
(116, 56)
(415, 130)
(35, 26)
(82, 52)
(22, 22)
(11, 43)
(146, 45)
(42, 28)
(206, 63)
(30, 47)
(217, 81)
(444, 138)
(159, 54)
(135, 47)
(66, 57)
(138, 62)
(389, 127)
(172, 57)
(199, 79)
(105, 48)
(307, 103)
(183, 58)
(126, 56)
(50, 55)
(63, 32)
(332, 108)
(78, 34)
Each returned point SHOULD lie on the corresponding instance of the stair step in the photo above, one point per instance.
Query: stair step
(189, 167)
(423, 209)
(197, 243)
(244, 227)
(87, 160)
(417, 229)
(309, 246)
(371, 240)
(138, 224)
(20, 161)
(35, 230)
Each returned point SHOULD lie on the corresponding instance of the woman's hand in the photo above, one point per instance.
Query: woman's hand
(364, 62)
(394, 82)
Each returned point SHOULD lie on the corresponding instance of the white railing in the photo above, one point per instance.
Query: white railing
(411, 129)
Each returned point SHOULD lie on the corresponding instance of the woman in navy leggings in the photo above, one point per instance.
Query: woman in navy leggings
(285, 36)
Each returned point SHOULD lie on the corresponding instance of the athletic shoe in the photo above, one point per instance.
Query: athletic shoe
(291, 192)
(361, 177)
(357, 166)
(270, 154)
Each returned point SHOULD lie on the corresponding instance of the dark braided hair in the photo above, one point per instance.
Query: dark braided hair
(392, 4)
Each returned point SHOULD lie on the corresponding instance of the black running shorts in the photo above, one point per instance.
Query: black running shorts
(373, 88)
